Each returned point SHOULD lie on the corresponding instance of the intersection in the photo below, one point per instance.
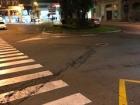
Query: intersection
(89, 70)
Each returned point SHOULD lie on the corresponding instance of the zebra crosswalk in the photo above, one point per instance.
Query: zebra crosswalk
(12, 61)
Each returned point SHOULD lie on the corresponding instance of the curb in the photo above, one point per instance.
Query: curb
(111, 32)
(68, 35)
(132, 32)
(83, 35)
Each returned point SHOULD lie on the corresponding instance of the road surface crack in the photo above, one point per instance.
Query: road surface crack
(76, 62)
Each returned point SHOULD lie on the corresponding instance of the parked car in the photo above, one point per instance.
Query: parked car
(3, 25)
(96, 22)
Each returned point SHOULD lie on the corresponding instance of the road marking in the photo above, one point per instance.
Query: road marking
(122, 90)
(49, 86)
(19, 79)
(1, 48)
(32, 39)
(10, 55)
(13, 58)
(18, 69)
(9, 52)
(2, 42)
(5, 50)
(5, 45)
(133, 81)
(52, 86)
(122, 93)
(16, 62)
(75, 99)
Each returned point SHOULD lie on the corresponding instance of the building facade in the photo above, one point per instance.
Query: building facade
(6, 3)
(118, 10)
(46, 10)
(11, 10)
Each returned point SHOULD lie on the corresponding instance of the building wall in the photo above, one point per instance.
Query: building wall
(118, 10)
(133, 12)
(109, 9)
(6, 3)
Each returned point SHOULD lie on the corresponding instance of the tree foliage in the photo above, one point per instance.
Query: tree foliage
(75, 11)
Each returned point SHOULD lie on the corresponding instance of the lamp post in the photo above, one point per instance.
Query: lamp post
(21, 7)
(35, 9)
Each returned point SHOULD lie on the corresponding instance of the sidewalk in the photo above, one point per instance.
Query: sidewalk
(127, 27)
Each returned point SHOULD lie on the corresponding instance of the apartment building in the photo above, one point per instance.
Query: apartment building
(118, 10)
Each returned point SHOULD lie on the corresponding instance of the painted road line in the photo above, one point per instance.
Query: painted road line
(9, 52)
(49, 86)
(75, 99)
(32, 39)
(133, 81)
(52, 86)
(1, 48)
(10, 55)
(16, 62)
(24, 78)
(13, 58)
(11, 49)
(5, 45)
(122, 90)
(18, 69)
(1, 42)
(122, 93)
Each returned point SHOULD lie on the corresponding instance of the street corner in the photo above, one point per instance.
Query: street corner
(129, 92)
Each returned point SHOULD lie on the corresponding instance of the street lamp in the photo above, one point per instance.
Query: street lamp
(35, 3)
(35, 12)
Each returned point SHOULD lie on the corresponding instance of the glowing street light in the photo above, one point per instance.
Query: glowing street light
(35, 3)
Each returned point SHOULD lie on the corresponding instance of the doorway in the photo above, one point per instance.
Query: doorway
(109, 15)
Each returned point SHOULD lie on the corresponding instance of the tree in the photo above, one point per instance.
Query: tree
(75, 11)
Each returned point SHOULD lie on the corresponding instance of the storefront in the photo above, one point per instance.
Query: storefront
(13, 14)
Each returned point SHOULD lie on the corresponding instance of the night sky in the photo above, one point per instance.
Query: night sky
(29, 1)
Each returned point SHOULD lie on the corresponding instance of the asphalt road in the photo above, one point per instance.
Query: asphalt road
(47, 69)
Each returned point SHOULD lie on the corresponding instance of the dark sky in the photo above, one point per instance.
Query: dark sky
(29, 1)
(25, 1)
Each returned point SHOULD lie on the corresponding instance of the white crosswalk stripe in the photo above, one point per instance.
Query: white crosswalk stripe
(16, 62)
(75, 99)
(24, 78)
(9, 52)
(22, 68)
(13, 58)
(5, 50)
(1, 48)
(10, 56)
(49, 86)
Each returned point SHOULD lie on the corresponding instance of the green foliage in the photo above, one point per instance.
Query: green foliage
(75, 11)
